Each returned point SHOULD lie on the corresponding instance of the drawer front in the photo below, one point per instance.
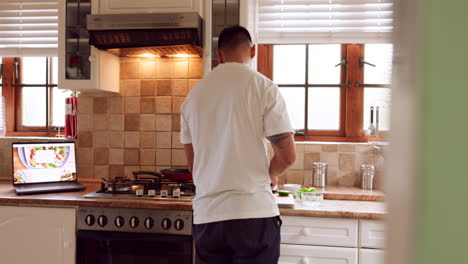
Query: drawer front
(371, 256)
(319, 231)
(297, 254)
(372, 234)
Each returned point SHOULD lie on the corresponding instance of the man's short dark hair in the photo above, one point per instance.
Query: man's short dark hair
(233, 37)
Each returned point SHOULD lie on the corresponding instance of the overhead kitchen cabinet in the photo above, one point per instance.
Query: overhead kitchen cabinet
(147, 6)
(81, 66)
(37, 235)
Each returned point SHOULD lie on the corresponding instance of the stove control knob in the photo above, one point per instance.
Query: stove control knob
(179, 224)
(149, 223)
(102, 220)
(166, 224)
(89, 220)
(134, 222)
(119, 221)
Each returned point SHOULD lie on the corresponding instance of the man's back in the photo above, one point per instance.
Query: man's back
(225, 116)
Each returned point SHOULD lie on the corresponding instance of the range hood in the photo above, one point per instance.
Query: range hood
(160, 34)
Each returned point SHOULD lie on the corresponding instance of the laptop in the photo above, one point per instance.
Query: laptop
(44, 167)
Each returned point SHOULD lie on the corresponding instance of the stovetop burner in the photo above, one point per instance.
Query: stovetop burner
(151, 186)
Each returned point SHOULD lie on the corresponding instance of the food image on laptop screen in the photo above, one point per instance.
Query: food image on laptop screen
(43, 162)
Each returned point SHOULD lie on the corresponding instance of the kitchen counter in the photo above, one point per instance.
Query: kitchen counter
(327, 208)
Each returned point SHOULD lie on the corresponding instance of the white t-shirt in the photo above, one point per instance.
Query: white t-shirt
(226, 117)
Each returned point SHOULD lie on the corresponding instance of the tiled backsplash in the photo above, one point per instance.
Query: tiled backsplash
(344, 161)
(137, 129)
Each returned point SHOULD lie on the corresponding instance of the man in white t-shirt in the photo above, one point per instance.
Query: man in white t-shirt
(225, 122)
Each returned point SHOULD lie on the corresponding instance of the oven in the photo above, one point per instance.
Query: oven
(122, 235)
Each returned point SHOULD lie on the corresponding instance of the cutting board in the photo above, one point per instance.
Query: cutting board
(285, 201)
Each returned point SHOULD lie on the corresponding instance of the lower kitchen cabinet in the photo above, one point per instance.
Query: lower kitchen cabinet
(299, 254)
(37, 235)
(371, 256)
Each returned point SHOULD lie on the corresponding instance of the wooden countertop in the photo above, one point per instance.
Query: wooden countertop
(327, 208)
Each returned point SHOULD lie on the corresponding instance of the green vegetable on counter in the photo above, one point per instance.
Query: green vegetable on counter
(283, 193)
(303, 190)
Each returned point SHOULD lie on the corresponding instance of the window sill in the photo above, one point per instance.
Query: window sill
(325, 139)
(35, 135)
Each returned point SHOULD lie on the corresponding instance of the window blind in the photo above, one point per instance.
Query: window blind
(28, 28)
(325, 21)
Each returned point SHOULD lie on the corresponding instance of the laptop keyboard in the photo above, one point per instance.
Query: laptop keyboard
(48, 187)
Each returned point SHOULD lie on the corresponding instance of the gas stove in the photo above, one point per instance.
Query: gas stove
(146, 185)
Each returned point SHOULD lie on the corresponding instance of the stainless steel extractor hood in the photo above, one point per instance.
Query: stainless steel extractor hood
(153, 33)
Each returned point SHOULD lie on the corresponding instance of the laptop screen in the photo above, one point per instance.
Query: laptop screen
(43, 162)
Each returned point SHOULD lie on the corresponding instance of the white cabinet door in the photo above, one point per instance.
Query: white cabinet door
(371, 256)
(372, 234)
(295, 254)
(319, 231)
(37, 235)
(149, 6)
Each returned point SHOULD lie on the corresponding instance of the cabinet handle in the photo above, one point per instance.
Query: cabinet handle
(92, 58)
(305, 232)
(304, 260)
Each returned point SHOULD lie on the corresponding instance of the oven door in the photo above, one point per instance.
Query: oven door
(104, 247)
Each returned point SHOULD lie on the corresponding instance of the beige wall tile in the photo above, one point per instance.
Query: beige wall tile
(295, 176)
(85, 156)
(346, 148)
(176, 140)
(131, 156)
(163, 87)
(164, 68)
(132, 122)
(331, 158)
(363, 148)
(132, 105)
(299, 163)
(85, 122)
(312, 147)
(116, 171)
(85, 171)
(129, 169)
(330, 148)
(147, 105)
(122, 84)
(100, 139)
(101, 156)
(100, 122)
(346, 162)
(147, 140)
(148, 87)
(163, 104)
(192, 82)
(347, 178)
(163, 123)
(116, 105)
(85, 105)
(101, 171)
(116, 156)
(363, 158)
(300, 148)
(147, 157)
(163, 140)
(116, 139)
(132, 87)
(195, 68)
(176, 103)
(148, 69)
(116, 122)
(178, 157)
(122, 73)
(85, 139)
(332, 178)
(180, 87)
(132, 70)
(148, 168)
(100, 105)
(307, 178)
(175, 122)
(180, 69)
(132, 139)
(147, 122)
(309, 159)
(163, 157)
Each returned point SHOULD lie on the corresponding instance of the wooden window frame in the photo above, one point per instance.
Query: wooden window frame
(351, 96)
(13, 103)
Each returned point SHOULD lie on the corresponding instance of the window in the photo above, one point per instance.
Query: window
(329, 88)
(34, 101)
